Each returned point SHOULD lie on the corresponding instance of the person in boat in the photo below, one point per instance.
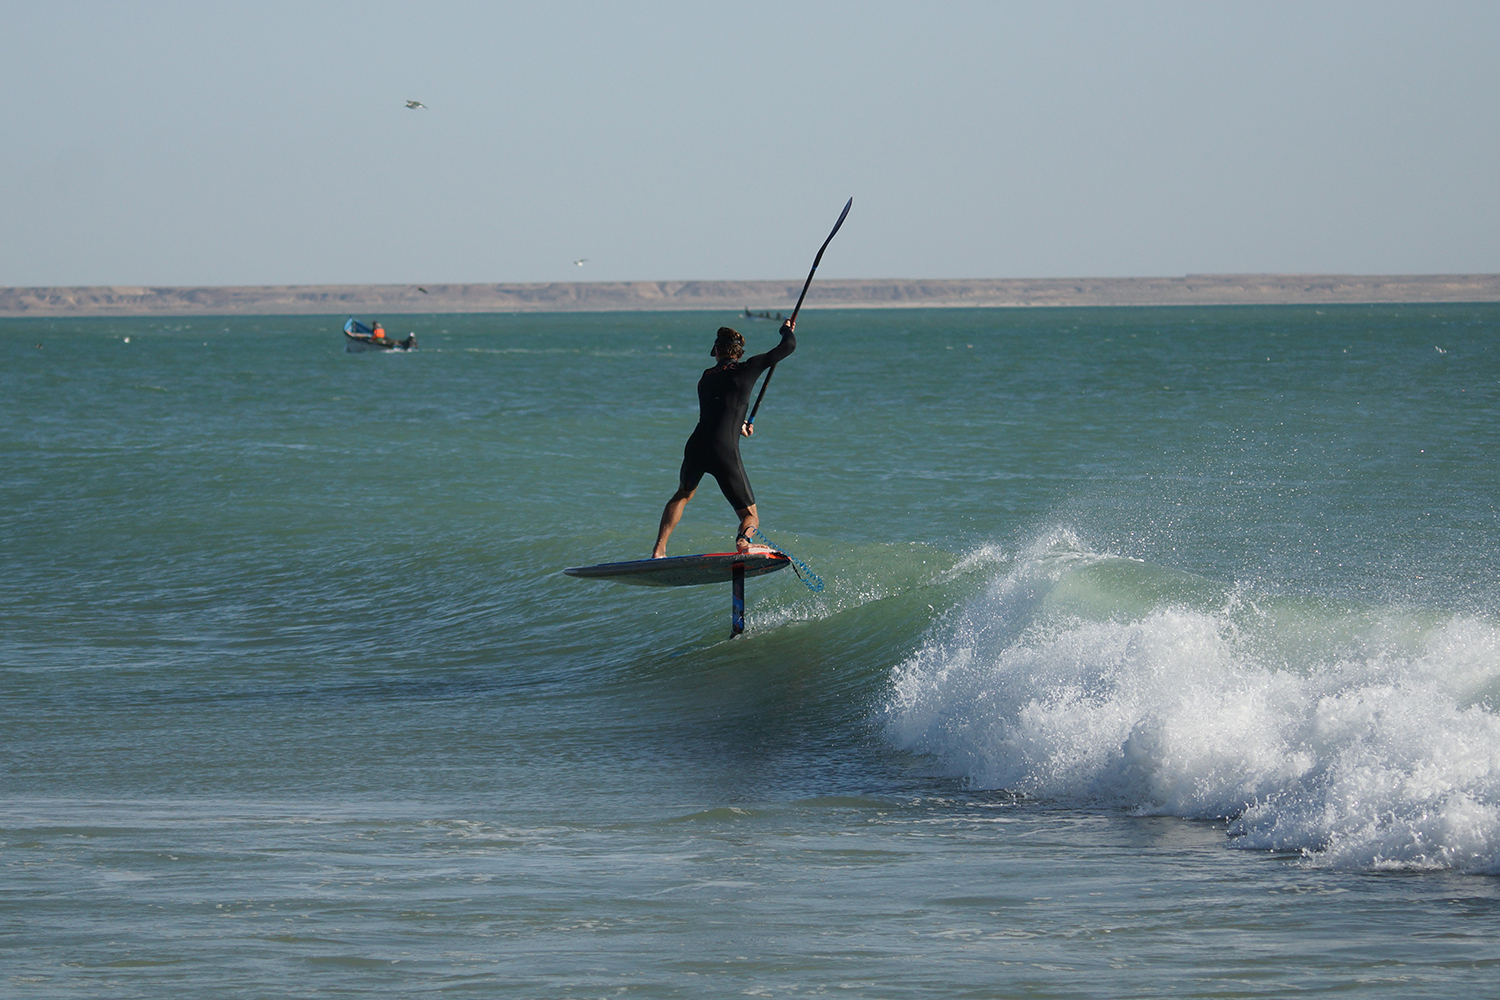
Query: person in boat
(714, 446)
(379, 330)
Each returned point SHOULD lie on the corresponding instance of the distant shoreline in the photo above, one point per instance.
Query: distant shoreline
(622, 296)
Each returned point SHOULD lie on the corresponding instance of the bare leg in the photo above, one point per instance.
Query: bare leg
(670, 515)
(749, 521)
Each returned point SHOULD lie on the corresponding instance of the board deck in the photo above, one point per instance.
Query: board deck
(685, 571)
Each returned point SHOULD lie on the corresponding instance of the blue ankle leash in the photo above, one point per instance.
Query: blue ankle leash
(810, 580)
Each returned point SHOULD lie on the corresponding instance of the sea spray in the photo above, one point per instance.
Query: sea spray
(1361, 738)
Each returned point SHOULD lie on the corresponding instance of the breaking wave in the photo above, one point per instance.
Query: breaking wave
(1364, 738)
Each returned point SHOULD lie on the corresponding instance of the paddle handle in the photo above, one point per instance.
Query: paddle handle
(750, 421)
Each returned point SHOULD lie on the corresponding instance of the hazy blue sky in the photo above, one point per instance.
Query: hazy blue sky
(249, 143)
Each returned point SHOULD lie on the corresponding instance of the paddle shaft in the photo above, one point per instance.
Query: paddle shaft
(805, 286)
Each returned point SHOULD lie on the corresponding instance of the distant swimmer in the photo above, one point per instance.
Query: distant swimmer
(580, 261)
(414, 105)
(714, 446)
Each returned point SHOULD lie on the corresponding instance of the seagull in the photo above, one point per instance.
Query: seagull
(414, 105)
(579, 262)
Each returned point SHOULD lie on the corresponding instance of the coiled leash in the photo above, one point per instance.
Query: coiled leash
(810, 580)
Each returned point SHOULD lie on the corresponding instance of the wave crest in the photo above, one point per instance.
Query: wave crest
(1362, 738)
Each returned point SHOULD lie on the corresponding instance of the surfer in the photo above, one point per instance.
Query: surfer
(714, 446)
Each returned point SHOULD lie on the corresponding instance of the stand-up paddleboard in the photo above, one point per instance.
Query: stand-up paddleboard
(685, 571)
(693, 571)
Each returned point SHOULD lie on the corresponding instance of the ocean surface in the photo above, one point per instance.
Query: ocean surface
(1159, 656)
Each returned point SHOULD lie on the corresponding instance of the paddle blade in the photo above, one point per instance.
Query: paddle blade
(819, 258)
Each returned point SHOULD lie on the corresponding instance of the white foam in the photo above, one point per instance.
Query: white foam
(1379, 752)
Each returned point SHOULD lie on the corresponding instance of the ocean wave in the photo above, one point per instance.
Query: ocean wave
(878, 572)
(1364, 738)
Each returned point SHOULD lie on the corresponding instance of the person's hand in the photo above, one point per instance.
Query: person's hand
(787, 327)
(746, 429)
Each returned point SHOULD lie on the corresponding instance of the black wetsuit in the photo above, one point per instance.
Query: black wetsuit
(723, 398)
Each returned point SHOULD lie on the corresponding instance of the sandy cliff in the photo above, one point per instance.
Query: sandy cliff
(1193, 289)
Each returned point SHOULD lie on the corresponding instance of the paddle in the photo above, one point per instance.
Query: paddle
(816, 261)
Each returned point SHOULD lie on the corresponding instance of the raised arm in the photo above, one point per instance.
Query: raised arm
(788, 344)
(767, 362)
(788, 341)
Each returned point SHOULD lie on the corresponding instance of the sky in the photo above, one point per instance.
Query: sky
(237, 143)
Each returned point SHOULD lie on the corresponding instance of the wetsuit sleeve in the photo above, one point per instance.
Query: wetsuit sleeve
(761, 362)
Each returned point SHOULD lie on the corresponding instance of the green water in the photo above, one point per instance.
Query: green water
(1159, 655)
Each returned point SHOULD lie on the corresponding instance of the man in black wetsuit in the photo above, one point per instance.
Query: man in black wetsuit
(714, 447)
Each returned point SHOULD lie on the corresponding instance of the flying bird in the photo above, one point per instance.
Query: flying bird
(414, 105)
(422, 290)
(580, 261)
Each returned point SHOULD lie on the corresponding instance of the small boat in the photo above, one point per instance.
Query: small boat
(358, 337)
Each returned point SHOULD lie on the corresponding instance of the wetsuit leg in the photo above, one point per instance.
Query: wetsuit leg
(733, 482)
(691, 473)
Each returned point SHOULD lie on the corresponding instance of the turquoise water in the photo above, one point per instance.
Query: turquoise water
(1159, 656)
